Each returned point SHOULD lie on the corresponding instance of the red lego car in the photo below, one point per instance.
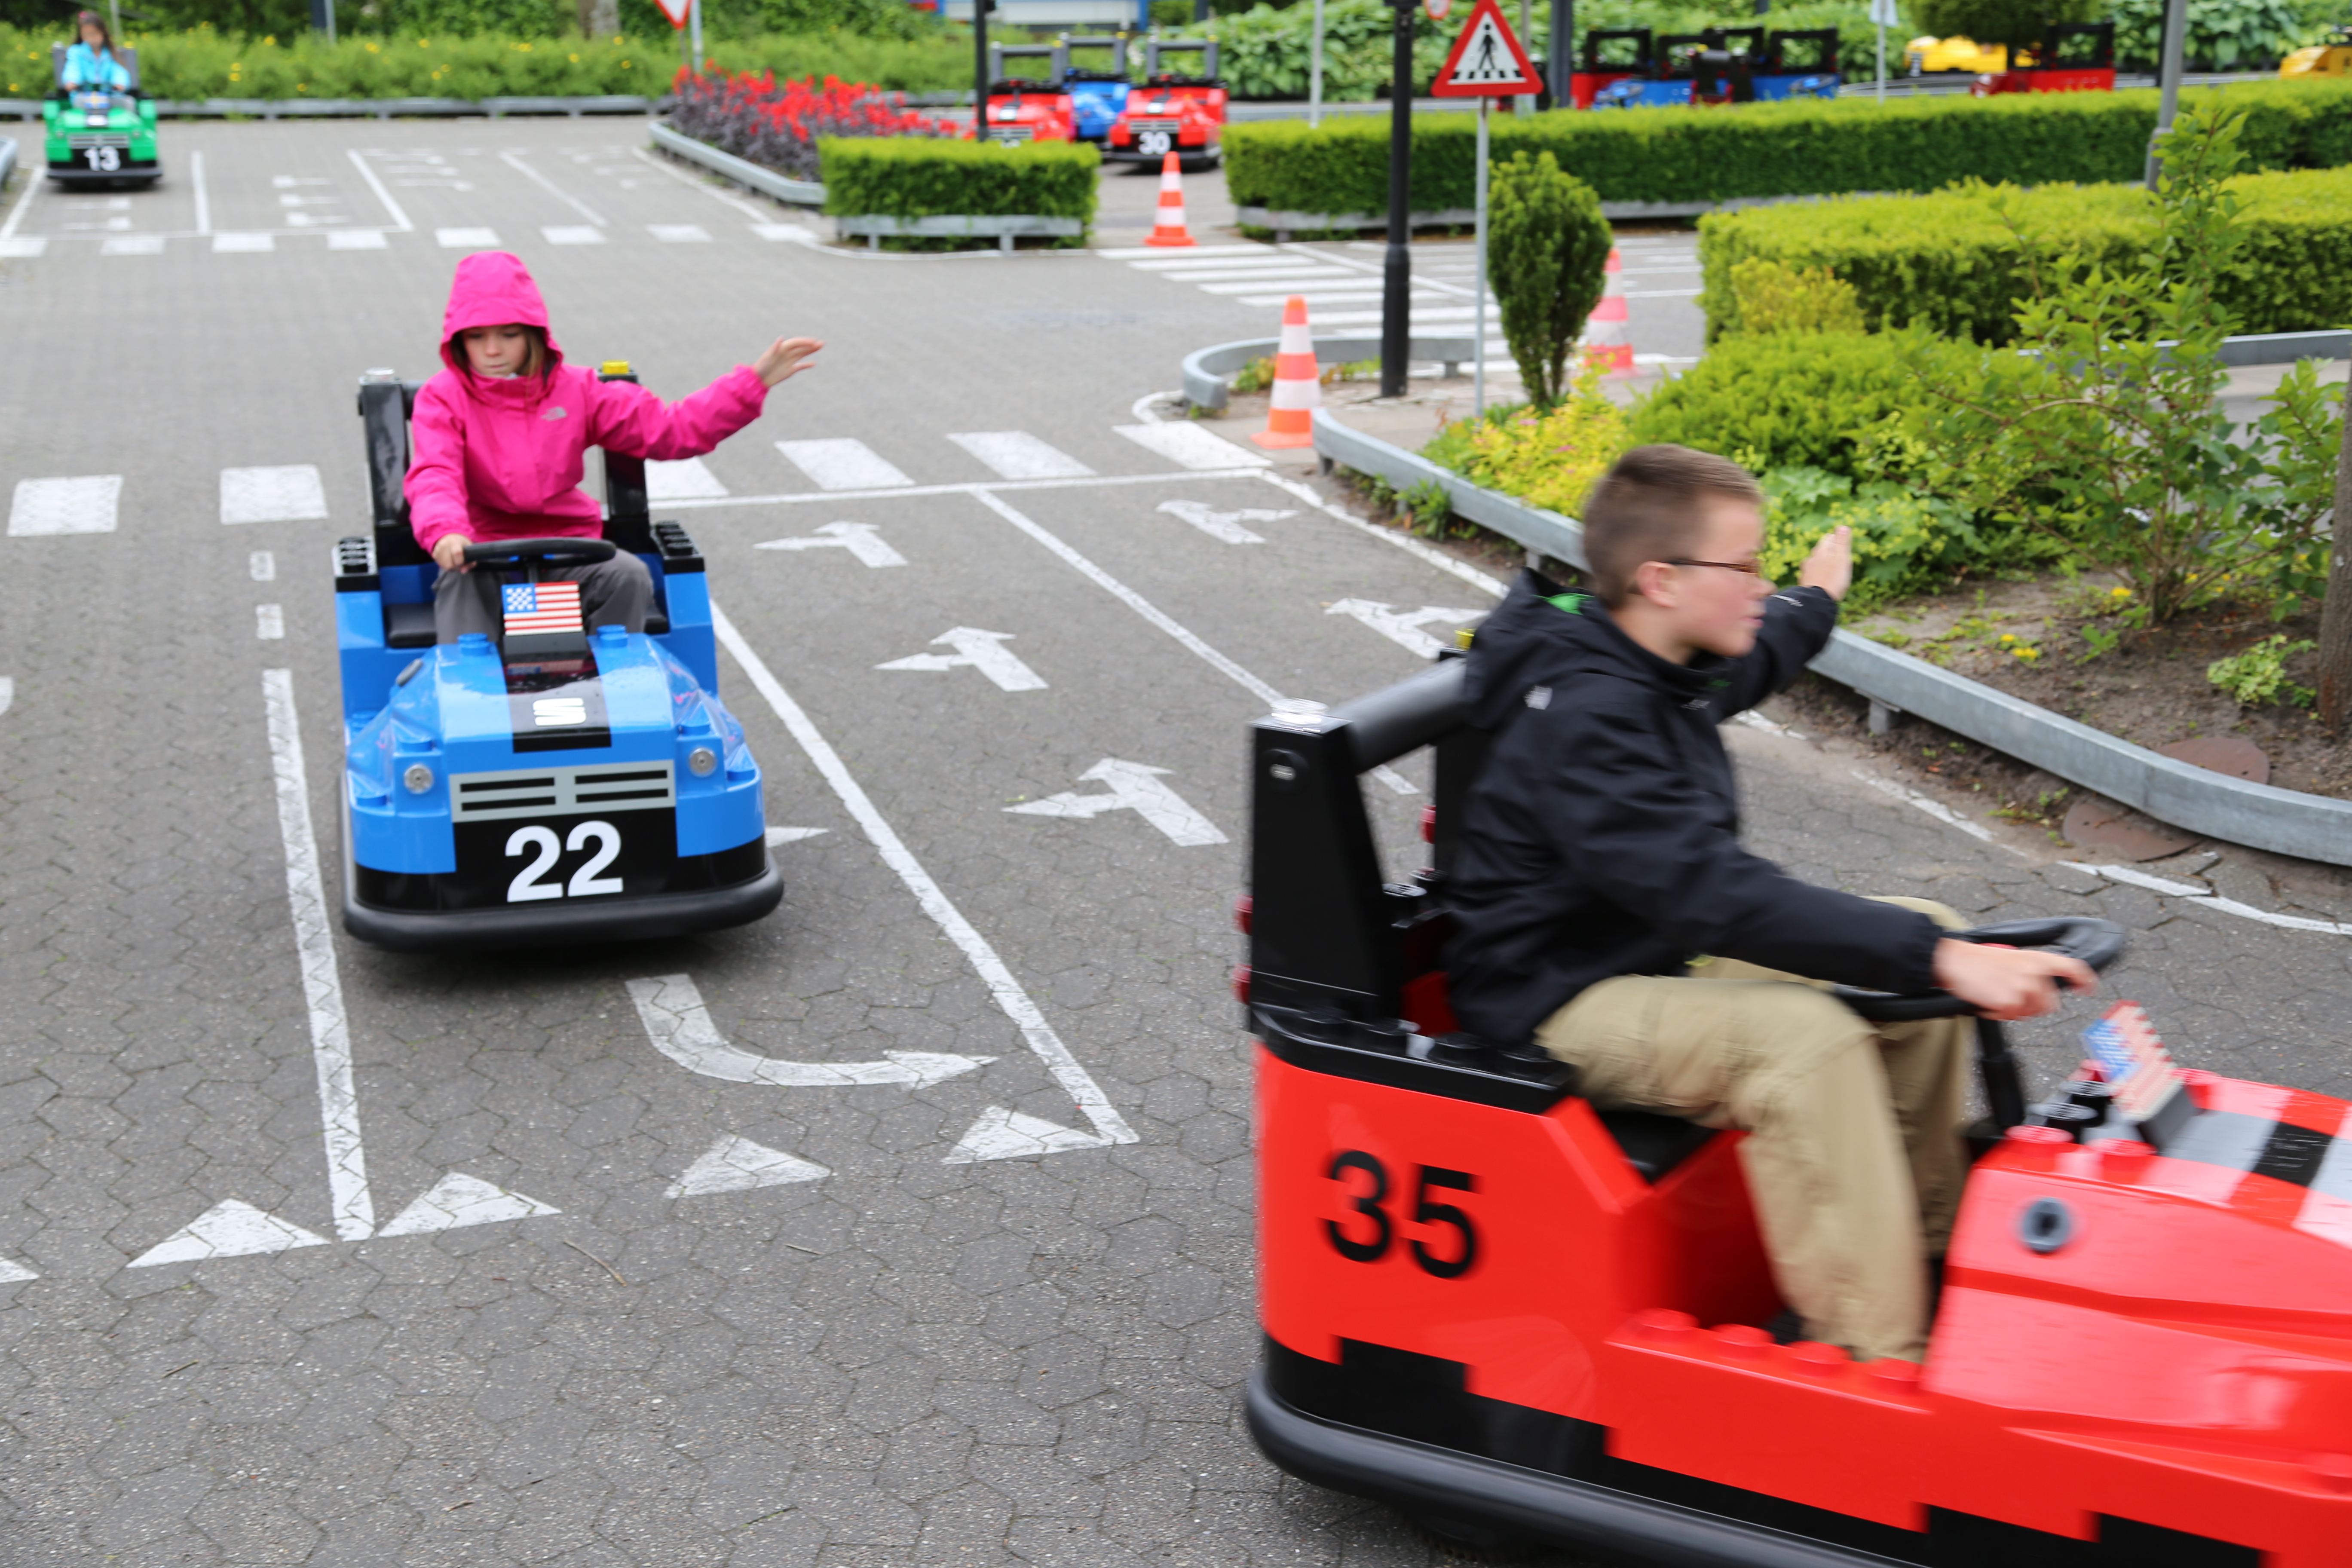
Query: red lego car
(1184, 115)
(1518, 1318)
(1031, 111)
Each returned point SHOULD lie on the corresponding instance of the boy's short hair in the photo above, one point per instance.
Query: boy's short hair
(1646, 508)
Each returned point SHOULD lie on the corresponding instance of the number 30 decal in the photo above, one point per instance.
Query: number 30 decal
(527, 888)
(1366, 1237)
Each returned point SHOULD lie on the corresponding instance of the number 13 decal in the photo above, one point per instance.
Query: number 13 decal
(1366, 1237)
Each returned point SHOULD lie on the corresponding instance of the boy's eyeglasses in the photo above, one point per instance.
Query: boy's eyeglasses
(1750, 568)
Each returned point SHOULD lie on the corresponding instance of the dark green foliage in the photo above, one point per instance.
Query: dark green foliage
(1548, 249)
(923, 179)
(2010, 22)
(1800, 148)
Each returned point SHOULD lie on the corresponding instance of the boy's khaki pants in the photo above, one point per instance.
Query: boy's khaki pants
(1853, 1154)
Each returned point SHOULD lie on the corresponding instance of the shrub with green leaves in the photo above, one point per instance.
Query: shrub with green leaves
(2223, 35)
(907, 179)
(1906, 540)
(1548, 253)
(2009, 22)
(2259, 674)
(1774, 297)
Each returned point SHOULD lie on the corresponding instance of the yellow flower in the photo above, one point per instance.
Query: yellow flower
(2119, 593)
(268, 39)
(2009, 637)
(575, 59)
(2028, 654)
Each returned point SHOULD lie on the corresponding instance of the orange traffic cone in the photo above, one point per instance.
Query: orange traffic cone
(1170, 229)
(1298, 385)
(1607, 338)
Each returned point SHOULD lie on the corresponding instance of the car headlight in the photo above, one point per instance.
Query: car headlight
(418, 778)
(702, 760)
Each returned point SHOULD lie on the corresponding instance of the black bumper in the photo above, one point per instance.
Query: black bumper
(623, 919)
(1443, 1486)
(129, 173)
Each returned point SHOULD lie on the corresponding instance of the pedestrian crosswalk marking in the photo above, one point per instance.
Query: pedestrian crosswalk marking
(679, 233)
(23, 249)
(86, 503)
(223, 242)
(357, 239)
(289, 494)
(571, 234)
(682, 479)
(466, 238)
(1190, 446)
(842, 463)
(133, 245)
(1018, 454)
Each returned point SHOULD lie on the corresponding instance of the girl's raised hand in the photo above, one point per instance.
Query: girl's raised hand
(783, 359)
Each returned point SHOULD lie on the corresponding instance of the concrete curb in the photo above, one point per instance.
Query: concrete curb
(742, 171)
(1208, 373)
(2214, 805)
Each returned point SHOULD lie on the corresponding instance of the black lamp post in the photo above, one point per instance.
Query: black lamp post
(1396, 271)
(979, 10)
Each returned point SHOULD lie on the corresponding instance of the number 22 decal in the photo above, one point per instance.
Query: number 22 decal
(527, 888)
(1365, 1239)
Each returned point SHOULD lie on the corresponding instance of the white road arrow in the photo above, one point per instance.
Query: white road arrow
(680, 1028)
(976, 649)
(1134, 786)
(1403, 627)
(1225, 525)
(860, 539)
(736, 1165)
(230, 1228)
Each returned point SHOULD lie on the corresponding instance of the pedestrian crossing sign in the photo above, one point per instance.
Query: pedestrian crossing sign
(1487, 61)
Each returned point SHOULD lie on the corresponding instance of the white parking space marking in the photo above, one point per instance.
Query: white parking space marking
(862, 540)
(1191, 447)
(203, 196)
(133, 245)
(552, 188)
(23, 249)
(322, 982)
(1224, 525)
(262, 566)
(87, 504)
(7, 692)
(738, 1165)
(230, 1228)
(681, 478)
(678, 1024)
(679, 233)
(457, 1201)
(25, 198)
(392, 208)
(292, 493)
(843, 463)
(466, 238)
(775, 834)
(1136, 787)
(572, 234)
(357, 239)
(269, 623)
(226, 243)
(1018, 454)
(1011, 998)
(1403, 627)
(975, 649)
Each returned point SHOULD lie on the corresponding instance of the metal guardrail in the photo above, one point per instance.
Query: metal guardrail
(742, 171)
(2212, 805)
(1208, 373)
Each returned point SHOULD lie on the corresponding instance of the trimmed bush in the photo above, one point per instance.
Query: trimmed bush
(1947, 262)
(915, 178)
(1548, 252)
(1805, 147)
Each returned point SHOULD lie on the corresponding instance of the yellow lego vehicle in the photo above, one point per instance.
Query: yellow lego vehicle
(1955, 54)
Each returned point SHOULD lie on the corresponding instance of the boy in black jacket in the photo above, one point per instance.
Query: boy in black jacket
(1601, 858)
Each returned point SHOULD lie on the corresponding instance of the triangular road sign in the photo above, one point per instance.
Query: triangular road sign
(1487, 61)
(679, 12)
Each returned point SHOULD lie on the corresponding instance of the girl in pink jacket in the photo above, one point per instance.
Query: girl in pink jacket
(499, 438)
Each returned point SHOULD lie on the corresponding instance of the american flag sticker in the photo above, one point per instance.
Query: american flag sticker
(540, 607)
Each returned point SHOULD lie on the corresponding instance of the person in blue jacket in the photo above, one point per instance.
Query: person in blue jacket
(90, 65)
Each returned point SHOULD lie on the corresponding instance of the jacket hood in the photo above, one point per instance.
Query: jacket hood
(1541, 634)
(493, 288)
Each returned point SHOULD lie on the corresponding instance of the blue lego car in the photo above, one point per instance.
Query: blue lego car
(541, 787)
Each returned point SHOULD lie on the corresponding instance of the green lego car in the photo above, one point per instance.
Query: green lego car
(99, 137)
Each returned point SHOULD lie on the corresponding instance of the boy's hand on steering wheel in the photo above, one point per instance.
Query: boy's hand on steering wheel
(783, 359)
(449, 552)
(2005, 983)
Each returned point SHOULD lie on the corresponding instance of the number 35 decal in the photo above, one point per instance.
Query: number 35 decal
(1366, 1237)
(527, 888)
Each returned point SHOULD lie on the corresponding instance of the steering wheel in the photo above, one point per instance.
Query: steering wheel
(558, 550)
(2096, 942)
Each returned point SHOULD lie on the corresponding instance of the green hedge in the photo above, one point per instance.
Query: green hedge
(1807, 147)
(1946, 262)
(917, 177)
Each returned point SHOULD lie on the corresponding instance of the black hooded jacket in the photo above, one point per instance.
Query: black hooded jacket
(1602, 838)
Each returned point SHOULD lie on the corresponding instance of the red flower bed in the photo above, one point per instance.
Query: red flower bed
(777, 124)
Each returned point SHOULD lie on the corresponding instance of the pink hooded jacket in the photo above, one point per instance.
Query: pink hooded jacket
(501, 459)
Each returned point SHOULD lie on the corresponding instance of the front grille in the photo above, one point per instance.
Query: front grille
(99, 139)
(1012, 133)
(1170, 126)
(562, 792)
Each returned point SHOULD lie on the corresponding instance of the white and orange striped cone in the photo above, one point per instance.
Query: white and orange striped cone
(1168, 229)
(1608, 341)
(1297, 383)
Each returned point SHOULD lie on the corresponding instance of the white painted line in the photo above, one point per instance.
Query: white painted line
(1136, 787)
(1237, 270)
(544, 184)
(466, 238)
(1290, 283)
(133, 245)
(14, 1273)
(293, 493)
(1365, 318)
(973, 486)
(357, 239)
(738, 1165)
(678, 1024)
(1159, 253)
(1935, 808)
(843, 463)
(23, 249)
(262, 565)
(862, 540)
(783, 835)
(459, 1200)
(230, 1228)
(269, 623)
(322, 983)
(87, 504)
(1421, 548)
(228, 244)
(1755, 721)
(1316, 299)
(975, 649)
(1018, 454)
(572, 234)
(1191, 446)
(787, 233)
(1004, 989)
(1003, 1134)
(204, 198)
(679, 233)
(2195, 895)
(1224, 525)
(32, 184)
(1145, 410)
(757, 213)
(681, 478)
(1403, 627)
(399, 218)
(7, 692)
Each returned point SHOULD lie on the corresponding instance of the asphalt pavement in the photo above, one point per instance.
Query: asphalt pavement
(625, 1281)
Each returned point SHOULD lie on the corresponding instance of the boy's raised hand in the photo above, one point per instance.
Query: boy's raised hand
(783, 359)
(1830, 567)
